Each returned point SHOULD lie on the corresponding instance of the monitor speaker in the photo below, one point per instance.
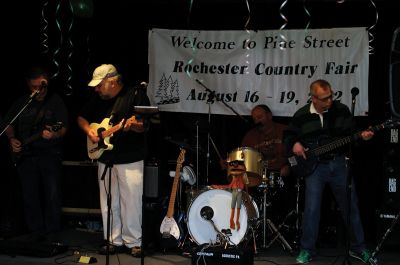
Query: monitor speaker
(221, 256)
(394, 74)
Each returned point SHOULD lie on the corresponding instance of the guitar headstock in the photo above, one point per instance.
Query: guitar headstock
(56, 126)
(387, 124)
(181, 157)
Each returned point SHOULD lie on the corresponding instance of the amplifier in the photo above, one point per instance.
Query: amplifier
(220, 256)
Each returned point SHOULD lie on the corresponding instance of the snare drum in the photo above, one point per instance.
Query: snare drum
(219, 200)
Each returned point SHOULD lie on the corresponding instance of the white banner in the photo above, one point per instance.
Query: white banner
(217, 71)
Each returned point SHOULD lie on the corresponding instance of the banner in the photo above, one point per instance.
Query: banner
(222, 72)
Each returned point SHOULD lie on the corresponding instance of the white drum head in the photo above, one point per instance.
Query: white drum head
(201, 230)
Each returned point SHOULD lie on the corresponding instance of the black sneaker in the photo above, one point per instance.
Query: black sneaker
(112, 249)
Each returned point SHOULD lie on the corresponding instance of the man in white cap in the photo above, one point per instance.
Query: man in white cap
(120, 153)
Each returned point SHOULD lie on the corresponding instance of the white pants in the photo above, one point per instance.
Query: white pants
(126, 202)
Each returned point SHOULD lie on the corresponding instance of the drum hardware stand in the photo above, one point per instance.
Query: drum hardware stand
(267, 221)
(207, 214)
(279, 236)
(275, 229)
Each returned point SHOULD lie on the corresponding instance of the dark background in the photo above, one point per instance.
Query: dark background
(73, 39)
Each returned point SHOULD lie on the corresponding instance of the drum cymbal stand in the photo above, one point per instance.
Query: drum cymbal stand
(264, 204)
(267, 222)
(275, 230)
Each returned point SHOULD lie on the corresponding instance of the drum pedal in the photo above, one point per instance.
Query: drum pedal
(227, 232)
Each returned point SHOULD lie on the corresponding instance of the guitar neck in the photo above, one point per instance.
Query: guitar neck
(32, 138)
(323, 149)
(117, 127)
(110, 131)
(171, 204)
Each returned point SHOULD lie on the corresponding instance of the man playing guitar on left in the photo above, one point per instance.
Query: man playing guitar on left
(38, 147)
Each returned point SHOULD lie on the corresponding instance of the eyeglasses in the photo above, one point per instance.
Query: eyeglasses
(235, 163)
(324, 99)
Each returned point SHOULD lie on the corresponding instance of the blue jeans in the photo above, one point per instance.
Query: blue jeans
(40, 177)
(334, 173)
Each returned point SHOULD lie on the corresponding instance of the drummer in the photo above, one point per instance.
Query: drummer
(266, 137)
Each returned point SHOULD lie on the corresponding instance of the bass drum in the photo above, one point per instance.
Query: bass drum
(202, 230)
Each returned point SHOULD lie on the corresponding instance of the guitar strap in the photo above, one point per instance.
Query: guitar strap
(38, 118)
(115, 109)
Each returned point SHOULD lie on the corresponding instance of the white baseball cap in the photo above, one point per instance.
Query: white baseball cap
(101, 72)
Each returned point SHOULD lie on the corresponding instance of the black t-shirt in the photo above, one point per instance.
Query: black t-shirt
(36, 116)
(128, 146)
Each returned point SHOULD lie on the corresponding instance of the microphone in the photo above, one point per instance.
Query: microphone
(43, 84)
(354, 92)
(34, 94)
(144, 84)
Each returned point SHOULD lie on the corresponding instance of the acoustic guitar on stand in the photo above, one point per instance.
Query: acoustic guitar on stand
(105, 131)
(169, 226)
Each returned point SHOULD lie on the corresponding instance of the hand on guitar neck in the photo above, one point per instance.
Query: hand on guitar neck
(49, 132)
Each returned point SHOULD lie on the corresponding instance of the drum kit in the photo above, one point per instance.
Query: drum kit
(208, 209)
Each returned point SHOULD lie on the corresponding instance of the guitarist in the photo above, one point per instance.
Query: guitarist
(115, 101)
(324, 118)
(39, 163)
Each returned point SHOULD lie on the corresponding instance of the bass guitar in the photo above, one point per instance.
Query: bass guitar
(304, 167)
(105, 131)
(169, 226)
(16, 156)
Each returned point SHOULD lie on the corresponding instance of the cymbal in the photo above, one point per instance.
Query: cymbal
(183, 145)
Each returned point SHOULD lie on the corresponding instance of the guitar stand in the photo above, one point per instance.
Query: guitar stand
(373, 260)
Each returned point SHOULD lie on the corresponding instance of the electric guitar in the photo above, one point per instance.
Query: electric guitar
(169, 226)
(105, 131)
(16, 156)
(304, 167)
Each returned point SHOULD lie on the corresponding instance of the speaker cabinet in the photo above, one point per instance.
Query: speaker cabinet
(151, 181)
(390, 204)
(80, 187)
(391, 170)
(394, 74)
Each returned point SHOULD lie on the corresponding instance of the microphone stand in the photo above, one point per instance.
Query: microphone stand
(31, 97)
(145, 112)
(208, 138)
(212, 95)
(108, 167)
(223, 102)
(349, 181)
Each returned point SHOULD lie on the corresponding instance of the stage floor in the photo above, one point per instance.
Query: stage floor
(80, 242)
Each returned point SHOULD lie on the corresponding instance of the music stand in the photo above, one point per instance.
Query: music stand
(145, 113)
